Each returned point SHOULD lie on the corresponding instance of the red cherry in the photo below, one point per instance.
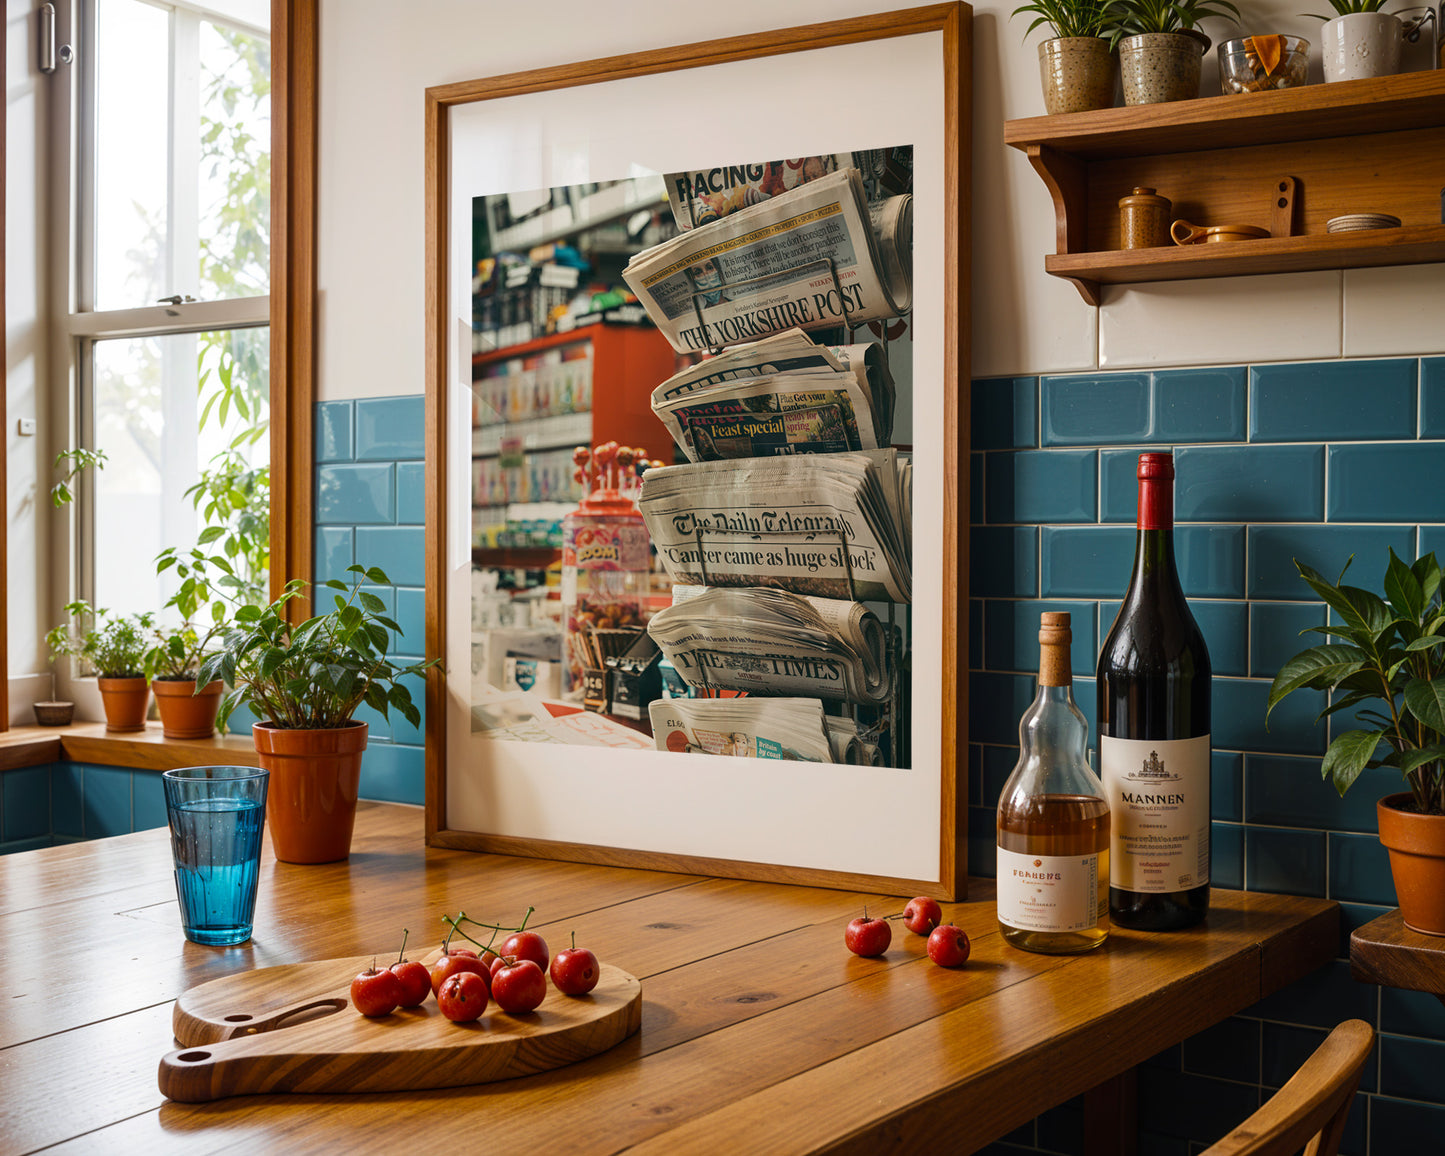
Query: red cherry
(574, 970)
(519, 986)
(463, 997)
(948, 946)
(528, 945)
(415, 981)
(922, 915)
(452, 961)
(866, 936)
(375, 993)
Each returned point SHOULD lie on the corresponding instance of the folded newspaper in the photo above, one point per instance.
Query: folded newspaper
(777, 396)
(704, 195)
(783, 522)
(750, 728)
(807, 258)
(776, 642)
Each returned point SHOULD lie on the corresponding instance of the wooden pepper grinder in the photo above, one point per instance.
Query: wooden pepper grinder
(1144, 219)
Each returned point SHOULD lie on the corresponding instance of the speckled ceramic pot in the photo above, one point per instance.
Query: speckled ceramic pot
(1361, 44)
(1161, 66)
(1077, 74)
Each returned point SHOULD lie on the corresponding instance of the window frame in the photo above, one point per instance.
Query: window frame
(290, 312)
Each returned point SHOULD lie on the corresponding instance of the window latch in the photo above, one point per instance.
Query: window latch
(49, 53)
(176, 299)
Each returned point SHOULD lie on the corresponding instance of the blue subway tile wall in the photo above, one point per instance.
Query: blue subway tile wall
(1275, 463)
(371, 511)
(69, 802)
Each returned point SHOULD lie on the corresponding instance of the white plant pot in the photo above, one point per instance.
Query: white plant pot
(1361, 44)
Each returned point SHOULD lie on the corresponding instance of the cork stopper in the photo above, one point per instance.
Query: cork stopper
(1055, 638)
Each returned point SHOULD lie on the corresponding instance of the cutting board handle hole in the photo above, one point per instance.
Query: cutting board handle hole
(194, 1057)
(237, 1019)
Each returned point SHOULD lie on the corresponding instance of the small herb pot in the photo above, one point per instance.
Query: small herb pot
(1158, 67)
(1077, 73)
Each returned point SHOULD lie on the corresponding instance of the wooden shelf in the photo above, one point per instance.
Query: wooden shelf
(515, 557)
(1356, 146)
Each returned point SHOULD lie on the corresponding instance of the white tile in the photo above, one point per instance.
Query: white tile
(1221, 321)
(1394, 310)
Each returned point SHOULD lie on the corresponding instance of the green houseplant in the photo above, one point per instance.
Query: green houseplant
(1076, 65)
(1385, 661)
(305, 683)
(1161, 47)
(114, 646)
(188, 707)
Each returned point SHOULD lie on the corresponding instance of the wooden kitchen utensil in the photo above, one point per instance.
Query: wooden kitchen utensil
(259, 1032)
(1281, 217)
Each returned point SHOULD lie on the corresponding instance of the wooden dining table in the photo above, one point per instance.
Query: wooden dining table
(760, 1032)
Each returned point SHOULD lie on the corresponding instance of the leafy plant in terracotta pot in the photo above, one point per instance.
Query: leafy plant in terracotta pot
(305, 682)
(1076, 65)
(1386, 663)
(1161, 47)
(114, 646)
(188, 707)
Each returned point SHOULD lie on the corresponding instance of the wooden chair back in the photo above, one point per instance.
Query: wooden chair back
(1308, 1112)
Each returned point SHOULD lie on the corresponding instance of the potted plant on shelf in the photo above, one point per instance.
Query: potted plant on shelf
(1161, 47)
(53, 712)
(305, 682)
(1388, 666)
(1076, 66)
(188, 707)
(1360, 40)
(114, 646)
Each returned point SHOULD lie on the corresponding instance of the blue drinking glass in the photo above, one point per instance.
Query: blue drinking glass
(216, 816)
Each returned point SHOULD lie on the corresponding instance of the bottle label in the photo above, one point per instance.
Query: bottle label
(1053, 893)
(1158, 792)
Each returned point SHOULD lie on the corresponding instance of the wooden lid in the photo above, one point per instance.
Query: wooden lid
(1055, 638)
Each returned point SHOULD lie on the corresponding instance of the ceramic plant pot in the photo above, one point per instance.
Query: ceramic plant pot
(1416, 844)
(126, 701)
(311, 802)
(1157, 67)
(185, 712)
(1077, 73)
(53, 714)
(1361, 44)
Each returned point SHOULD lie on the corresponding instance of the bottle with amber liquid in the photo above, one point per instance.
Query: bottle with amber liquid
(1053, 820)
(1154, 720)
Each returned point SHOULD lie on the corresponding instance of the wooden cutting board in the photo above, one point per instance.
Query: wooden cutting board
(292, 1029)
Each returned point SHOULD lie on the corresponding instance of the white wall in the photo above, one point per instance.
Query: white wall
(378, 56)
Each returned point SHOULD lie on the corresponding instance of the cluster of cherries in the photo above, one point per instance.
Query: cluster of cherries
(611, 467)
(948, 946)
(463, 980)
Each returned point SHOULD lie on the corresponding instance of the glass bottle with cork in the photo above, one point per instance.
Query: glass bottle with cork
(1053, 821)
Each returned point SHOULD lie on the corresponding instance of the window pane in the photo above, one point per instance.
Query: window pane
(132, 220)
(235, 169)
(167, 409)
(182, 156)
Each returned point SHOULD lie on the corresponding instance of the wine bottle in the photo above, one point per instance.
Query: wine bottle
(1153, 688)
(1053, 822)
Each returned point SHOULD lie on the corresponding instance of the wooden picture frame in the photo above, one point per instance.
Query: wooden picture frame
(901, 831)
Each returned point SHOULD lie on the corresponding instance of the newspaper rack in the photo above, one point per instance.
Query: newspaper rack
(898, 747)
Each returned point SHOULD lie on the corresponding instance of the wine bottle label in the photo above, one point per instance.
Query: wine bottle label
(1054, 893)
(1158, 792)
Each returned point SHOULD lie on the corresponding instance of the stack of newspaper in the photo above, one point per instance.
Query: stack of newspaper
(780, 395)
(756, 728)
(704, 195)
(777, 643)
(784, 522)
(807, 258)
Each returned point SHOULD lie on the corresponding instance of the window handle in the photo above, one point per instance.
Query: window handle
(176, 299)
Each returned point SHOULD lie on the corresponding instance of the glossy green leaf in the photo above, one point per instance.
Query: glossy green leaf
(1347, 756)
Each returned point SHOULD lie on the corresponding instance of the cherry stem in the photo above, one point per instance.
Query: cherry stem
(574, 941)
(525, 918)
(401, 955)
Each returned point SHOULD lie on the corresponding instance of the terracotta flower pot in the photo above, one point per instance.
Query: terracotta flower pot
(311, 802)
(1416, 844)
(126, 701)
(185, 712)
(1077, 73)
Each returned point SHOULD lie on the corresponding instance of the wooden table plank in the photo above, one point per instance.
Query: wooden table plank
(752, 1007)
(1387, 952)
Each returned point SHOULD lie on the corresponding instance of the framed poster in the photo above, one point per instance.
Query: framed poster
(748, 658)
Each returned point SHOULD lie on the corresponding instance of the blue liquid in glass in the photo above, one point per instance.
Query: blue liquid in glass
(217, 846)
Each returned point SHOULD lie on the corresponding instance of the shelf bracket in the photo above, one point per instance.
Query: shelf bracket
(1066, 179)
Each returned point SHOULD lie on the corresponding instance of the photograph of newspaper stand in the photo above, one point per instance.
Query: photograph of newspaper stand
(697, 458)
(762, 608)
